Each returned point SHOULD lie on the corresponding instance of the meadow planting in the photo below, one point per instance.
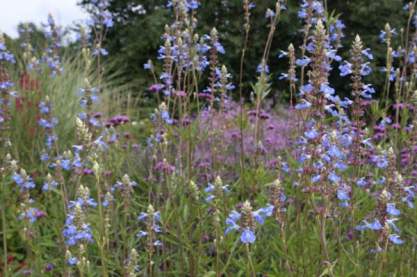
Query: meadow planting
(199, 174)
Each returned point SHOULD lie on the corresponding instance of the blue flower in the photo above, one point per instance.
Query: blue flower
(44, 157)
(100, 52)
(303, 105)
(76, 232)
(262, 68)
(392, 75)
(189, 4)
(383, 35)
(48, 185)
(210, 190)
(316, 178)
(83, 202)
(342, 194)
(48, 124)
(282, 54)
(302, 14)
(231, 222)
(142, 234)
(381, 162)
(150, 218)
(250, 217)
(261, 214)
(144, 216)
(303, 62)
(44, 107)
(409, 198)
(334, 152)
(66, 164)
(392, 210)
(375, 225)
(219, 47)
(326, 89)
(166, 117)
(361, 182)
(345, 69)
(333, 177)
(332, 55)
(391, 223)
(148, 65)
(269, 13)
(23, 181)
(72, 261)
(5, 55)
(107, 19)
(367, 91)
(394, 238)
(31, 214)
(366, 69)
(311, 134)
(247, 236)
(367, 53)
(6, 85)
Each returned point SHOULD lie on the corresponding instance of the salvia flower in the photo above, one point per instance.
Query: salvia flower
(152, 219)
(132, 266)
(394, 238)
(345, 69)
(51, 56)
(31, 214)
(245, 221)
(216, 190)
(77, 230)
(387, 34)
(23, 180)
(49, 183)
(5, 55)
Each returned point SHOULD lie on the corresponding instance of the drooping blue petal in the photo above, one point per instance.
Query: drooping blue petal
(247, 236)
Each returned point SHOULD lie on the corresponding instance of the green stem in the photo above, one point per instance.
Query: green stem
(4, 229)
(383, 258)
(101, 236)
(323, 236)
(251, 269)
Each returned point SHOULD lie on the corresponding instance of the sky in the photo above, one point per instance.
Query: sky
(13, 12)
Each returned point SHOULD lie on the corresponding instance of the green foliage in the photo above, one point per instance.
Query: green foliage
(135, 39)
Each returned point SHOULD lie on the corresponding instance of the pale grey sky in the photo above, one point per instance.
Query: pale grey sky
(15, 11)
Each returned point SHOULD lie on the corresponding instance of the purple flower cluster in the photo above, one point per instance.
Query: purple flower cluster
(116, 121)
